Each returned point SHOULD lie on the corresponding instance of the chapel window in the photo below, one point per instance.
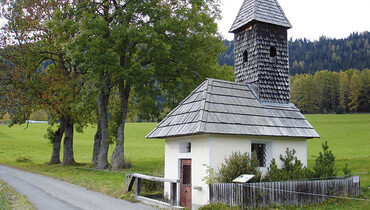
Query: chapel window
(272, 52)
(245, 56)
(260, 150)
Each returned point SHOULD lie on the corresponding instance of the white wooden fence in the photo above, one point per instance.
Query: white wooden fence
(287, 192)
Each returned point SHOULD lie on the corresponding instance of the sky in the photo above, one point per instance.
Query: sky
(310, 19)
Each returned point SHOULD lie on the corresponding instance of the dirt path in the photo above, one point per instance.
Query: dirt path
(48, 193)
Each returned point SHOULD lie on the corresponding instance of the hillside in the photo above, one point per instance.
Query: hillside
(325, 54)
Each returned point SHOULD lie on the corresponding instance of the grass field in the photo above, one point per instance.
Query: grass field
(348, 137)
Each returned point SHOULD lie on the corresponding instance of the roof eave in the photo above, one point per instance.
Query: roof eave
(213, 133)
(241, 28)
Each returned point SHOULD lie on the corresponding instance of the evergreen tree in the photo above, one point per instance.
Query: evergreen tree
(324, 164)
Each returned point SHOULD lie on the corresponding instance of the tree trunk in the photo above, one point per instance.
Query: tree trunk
(97, 143)
(68, 157)
(103, 99)
(55, 156)
(118, 157)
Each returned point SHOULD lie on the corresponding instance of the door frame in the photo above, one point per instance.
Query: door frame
(191, 177)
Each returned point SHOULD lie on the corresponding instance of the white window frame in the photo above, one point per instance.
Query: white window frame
(269, 152)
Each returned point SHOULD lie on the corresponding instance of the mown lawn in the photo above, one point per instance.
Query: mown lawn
(146, 156)
(348, 137)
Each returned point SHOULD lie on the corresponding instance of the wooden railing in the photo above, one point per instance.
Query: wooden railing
(285, 192)
(131, 178)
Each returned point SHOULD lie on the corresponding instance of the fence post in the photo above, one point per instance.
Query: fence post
(242, 185)
(138, 186)
(129, 182)
(173, 190)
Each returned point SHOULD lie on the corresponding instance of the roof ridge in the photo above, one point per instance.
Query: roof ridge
(182, 102)
(283, 13)
(202, 113)
(226, 81)
(254, 9)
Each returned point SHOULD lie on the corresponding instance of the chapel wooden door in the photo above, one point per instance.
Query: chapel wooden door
(185, 185)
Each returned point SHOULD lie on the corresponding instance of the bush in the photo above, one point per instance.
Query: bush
(274, 173)
(151, 186)
(217, 206)
(239, 163)
(346, 170)
(23, 159)
(292, 169)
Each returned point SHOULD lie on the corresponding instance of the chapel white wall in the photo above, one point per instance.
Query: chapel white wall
(211, 150)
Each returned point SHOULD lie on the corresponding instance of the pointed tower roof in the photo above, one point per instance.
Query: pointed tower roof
(266, 11)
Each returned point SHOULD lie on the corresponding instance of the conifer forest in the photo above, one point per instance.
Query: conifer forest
(327, 75)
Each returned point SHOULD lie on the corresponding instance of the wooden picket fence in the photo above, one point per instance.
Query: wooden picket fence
(287, 192)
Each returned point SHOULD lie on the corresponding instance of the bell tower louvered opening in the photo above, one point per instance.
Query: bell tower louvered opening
(261, 49)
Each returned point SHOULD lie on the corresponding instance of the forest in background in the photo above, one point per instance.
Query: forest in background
(328, 75)
(331, 92)
(325, 54)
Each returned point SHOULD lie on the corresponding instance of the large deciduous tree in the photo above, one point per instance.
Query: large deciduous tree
(343, 91)
(356, 87)
(157, 47)
(35, 72)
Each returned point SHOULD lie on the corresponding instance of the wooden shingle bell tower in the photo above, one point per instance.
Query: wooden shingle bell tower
(261, 50)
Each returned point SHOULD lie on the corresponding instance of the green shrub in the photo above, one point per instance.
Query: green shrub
(239, 163)
(324, 164)
(23, 159)
(217, 206)
(274, 173)
(50, 134)
(211, 177)
(292, 168)
(151, 186)
(346, 170)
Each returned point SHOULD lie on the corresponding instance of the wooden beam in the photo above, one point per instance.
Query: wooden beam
(154, 178)
(130, 182)
(138, 187)
(173, 191)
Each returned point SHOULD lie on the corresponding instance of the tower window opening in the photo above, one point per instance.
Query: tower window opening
(245, 56)
(272, 51)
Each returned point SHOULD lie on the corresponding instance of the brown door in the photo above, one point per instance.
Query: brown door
(185, 186)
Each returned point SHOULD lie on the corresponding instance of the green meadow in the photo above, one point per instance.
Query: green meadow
(348, 137)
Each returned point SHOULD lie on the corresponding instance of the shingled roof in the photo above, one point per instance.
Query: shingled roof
(266, 11)
(231, 108)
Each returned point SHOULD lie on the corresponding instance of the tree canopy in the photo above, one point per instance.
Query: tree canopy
(106, 56)
(332, 92)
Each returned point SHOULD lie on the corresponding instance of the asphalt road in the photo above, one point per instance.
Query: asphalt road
(48, 193)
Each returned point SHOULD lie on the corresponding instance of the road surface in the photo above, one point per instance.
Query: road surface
(48, 193)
